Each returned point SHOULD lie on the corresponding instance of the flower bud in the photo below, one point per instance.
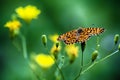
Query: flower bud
(116, 38)
(119, 47)
(83, 46)
(94, 55)
(44, 40)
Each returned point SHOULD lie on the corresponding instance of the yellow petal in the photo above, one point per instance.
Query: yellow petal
(28, 13)
(55, 49)
(54, 37)
(44, 61)
(13, 25)
(72, 50)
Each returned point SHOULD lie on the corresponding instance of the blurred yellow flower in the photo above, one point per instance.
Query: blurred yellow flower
(13, 25)
(55, 49)
(45, 61)
(54, 38)
(28, 13)
(56, 46)
(72, 50)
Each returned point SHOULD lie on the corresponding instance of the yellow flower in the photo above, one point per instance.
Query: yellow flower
(45, 61)
(54, 38)
(28, 13)
(55, 49)
(56, 46)
(13, 25)
(72, 50)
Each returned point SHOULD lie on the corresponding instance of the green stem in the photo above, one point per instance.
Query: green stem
(83, 44)
(32, 69)
(99, 61)
(24, 46)
(58, 68)
(80, 68)
(82, 60)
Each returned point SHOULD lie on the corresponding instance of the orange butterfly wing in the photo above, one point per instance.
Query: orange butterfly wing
(93, 31)
(69, 37)
(79, 35)
(82, 36)
(85, 33)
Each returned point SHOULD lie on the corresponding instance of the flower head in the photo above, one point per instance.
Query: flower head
(55, 49)
(72, 50)
(13, 25)
(56, 46)
(45, 61)
(28, 13)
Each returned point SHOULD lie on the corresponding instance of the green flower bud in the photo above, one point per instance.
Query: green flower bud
(44, 40)
(94, 55)
(116, 38)
(119, 47)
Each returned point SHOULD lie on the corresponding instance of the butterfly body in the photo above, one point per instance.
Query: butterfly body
(79, 35)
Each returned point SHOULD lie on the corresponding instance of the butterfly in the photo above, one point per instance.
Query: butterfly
(79, 35)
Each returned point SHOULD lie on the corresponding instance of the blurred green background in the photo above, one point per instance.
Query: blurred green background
(60, 16)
